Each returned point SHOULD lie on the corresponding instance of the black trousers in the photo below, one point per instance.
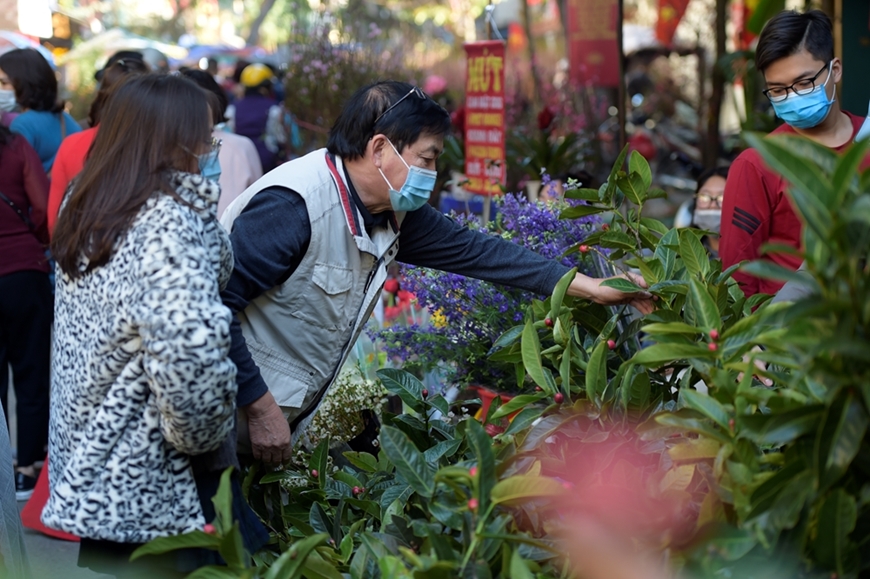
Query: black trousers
(26, 313)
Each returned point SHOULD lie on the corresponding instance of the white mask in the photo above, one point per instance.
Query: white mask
(7, 101)
(707, 219)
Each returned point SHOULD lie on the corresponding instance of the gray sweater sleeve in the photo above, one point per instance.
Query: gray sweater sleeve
(795, 290)
(431, 239)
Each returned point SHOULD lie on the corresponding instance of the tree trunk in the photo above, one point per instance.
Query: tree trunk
(254, 34)
(536, 80)
(717, 93)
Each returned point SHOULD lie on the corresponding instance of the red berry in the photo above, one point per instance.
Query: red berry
(473, 471)
(712, 347)
(605, 226)
(584, 248)
(425, 393)
(714, 335)
(611, 344)
(356, 491)
(538, 389)
(548, 322)
(731, 423)
(209, 529)
(314, 473)
(473, 504)
(559, 397)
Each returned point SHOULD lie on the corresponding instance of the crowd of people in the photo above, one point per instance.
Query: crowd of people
(201, 309)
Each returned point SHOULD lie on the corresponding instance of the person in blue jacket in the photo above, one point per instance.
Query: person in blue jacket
(44, 123)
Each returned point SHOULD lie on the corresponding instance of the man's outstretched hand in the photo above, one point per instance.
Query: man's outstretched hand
(269, 430)
(591, 289)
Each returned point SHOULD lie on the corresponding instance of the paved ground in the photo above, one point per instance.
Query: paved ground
(49, 558)
(53, 558)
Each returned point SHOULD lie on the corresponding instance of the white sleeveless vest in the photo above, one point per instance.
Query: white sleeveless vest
(301, 332)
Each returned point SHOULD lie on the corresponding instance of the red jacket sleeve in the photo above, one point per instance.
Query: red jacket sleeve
(746, 212)
(60, 178)
(36, 188)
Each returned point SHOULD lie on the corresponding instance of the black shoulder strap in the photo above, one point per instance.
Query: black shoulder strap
(16, 209)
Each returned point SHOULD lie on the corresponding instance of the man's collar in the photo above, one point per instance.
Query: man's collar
(369, 221)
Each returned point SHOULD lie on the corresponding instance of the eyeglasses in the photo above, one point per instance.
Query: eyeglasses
(708, 200)
(215, 145)
(414, 91)
(803, 87)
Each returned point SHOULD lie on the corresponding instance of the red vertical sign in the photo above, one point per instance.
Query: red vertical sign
(670, 14)
(592, 42)
(484, 118)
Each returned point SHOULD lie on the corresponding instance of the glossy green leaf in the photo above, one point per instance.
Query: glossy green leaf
(692, 424)
(559, 293)
(517, 403)
(404, 385)
(617, 240)
(780, 428)
(610, 185)
(213, 572)
(622, 285)
(519, 569)
(633, 187)
(638, 164)
(524, 419)
(223, 502)
(671, 328)
(194, 539)
(481, 444)
(518, 489)
(584, 194)
(233, 550)
(705, 308)
(706, 405)
(596, 372)
(444, 448)
(508, 338)
(693, 253)
(787, 505)
(770, 270)
(659, 354)
(319, 461)
(316, 567)
(665, 252)
(531, 348)
(362, 460)
(409, 461)
(578, 211)
(838, 440)
(837, 517)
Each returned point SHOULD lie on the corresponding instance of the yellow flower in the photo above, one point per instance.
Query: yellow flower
(438, 320)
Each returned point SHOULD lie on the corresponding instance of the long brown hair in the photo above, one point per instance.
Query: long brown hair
(153, 125)
(120, 70)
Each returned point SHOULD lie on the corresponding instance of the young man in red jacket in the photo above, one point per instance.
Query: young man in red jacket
(796, 56)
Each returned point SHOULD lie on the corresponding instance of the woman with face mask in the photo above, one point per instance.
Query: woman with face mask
(707, 206)
(43, 122)
(143, 390)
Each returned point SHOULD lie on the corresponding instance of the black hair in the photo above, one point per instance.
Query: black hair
(34, 81)
(789, 32)
(707, 173)
(209, 84)
(361, 119)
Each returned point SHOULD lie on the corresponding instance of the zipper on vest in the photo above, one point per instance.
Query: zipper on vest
(372, 273)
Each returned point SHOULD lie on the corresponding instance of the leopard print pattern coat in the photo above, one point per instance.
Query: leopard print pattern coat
(141, 377)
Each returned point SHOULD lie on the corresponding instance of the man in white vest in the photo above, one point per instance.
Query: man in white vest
(314, 237)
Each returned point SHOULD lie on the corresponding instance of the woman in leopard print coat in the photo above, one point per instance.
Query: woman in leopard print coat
(141, 375)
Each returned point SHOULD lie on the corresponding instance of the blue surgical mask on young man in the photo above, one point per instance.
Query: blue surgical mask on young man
(209, 165)
(418, 186)
(809, 110)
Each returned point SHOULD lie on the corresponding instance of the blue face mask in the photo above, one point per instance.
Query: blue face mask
(210, 165)
(806, 111)
(418, 186)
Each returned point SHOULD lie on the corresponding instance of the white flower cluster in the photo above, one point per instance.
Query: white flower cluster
(339, 417)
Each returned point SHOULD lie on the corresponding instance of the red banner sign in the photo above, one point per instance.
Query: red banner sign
(670, 14)
(484, 118)
(592, 48)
